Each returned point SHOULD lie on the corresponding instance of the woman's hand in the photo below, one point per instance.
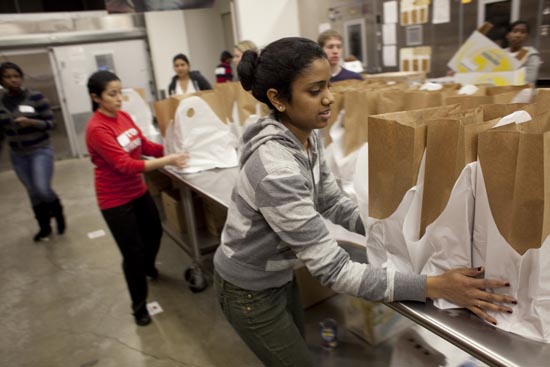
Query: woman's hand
(179, 159)
(25, 122)
(460, 287)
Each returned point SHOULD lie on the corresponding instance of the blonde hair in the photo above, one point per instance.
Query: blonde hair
(246, 45)
(328, 34)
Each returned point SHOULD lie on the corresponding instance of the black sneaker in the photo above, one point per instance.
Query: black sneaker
(43, 235)
(142, 318)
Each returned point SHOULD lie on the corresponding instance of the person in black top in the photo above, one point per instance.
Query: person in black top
(186, 81)
(25, 119)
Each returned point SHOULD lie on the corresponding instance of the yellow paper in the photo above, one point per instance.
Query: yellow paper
(502, 78)
(480, 54)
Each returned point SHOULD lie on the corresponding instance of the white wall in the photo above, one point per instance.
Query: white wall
(197, 33)
(311, 13)
(167, 36)
(205, 40)
(264, 21)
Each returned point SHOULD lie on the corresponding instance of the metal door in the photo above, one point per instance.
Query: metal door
(39, 76)
(75, 63)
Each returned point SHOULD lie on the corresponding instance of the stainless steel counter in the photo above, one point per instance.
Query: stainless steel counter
(460, 327)
(478, 338)
(215, 184)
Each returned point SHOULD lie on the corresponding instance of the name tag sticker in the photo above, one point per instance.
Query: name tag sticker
(26, 109)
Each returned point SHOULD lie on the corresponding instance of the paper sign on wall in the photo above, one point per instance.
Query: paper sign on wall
(389, 34)
(412, 13)
(389, 54)
(442, 11)
(390, 12)
(415, 59)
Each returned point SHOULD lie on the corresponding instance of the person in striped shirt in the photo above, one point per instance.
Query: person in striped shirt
(275, 218)
(25, 119)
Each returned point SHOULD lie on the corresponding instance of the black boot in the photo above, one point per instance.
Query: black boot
(57, 212)
(42, 215)
(141, 315)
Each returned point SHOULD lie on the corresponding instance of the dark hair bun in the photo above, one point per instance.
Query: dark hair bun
(247, 69)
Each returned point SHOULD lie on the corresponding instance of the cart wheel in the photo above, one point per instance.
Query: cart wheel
(195, 278)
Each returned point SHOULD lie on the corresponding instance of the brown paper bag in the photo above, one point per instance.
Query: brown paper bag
(246, 103)
(450, 145)
(507, 97)
(389, 100)
(392, 100)
(515, 161)
(165, 110)
(358, 104)
(422, 99)
(335, 108)
(468, 102)
(494, 90)
(493, 111)
(396, 145)
(542, 100)
(344, 85)
(212, 98)
(227, 97)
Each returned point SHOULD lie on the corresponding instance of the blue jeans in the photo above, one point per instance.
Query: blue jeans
(270, 322)
(35, 171)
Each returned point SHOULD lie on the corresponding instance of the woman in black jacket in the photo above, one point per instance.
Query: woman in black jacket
(186, 81)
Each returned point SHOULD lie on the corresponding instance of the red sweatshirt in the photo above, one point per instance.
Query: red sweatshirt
(116, 145)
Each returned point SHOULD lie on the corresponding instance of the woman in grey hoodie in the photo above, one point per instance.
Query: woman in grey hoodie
(275, 216)
(528, 56)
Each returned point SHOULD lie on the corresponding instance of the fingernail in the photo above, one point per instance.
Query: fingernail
(506, 284)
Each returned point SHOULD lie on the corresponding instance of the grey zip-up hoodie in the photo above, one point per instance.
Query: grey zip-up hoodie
(275, 218)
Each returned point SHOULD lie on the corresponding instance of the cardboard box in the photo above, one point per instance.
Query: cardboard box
(373, 321)
(502, 78)
(215, 215)
(173, 210)
(311, 290)
(157, 182)
(480, 54)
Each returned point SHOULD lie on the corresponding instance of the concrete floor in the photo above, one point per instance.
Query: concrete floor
(65, 302)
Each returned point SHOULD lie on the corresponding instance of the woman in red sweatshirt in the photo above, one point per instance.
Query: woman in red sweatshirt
(116, 146)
